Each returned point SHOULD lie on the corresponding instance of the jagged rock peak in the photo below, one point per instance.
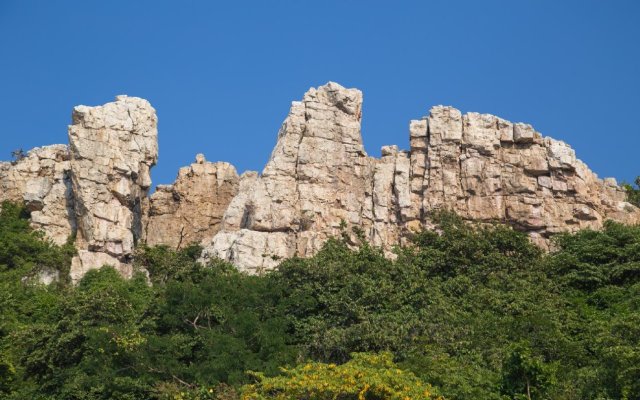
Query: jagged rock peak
(112, 150)
(314, 179)
(482, 167)
(317, 180)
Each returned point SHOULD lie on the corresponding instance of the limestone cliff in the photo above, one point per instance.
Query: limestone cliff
(95, 190)
(318, 179)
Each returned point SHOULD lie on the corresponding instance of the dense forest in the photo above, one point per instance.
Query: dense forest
(467, 312)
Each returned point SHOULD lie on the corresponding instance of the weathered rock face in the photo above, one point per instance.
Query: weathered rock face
(318, 181)
(318, 175)
(480, 166)
(96, 188)
(41, 180)
(112, 149)
(191, 209)
(488, 169)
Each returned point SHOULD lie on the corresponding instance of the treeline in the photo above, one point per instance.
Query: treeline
(470, 312)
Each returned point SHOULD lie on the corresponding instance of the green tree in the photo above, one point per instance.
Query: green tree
(633, 193)
(475, 310)
(24, 302)
(525, 376)
(91, 344)
(214, 323)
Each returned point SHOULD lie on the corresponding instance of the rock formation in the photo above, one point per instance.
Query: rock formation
(41, 180)
(488, 169)
(480, 166)
(318, 177)
(191, 209)
(94, 190)
(112, 150)
(318, 181)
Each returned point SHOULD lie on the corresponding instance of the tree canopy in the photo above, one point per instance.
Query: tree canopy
(466, 312)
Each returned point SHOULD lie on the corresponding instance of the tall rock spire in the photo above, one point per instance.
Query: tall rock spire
(317, 179)
(112, 150)
(313, 181)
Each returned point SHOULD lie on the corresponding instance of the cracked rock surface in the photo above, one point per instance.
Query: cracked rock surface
(42, 182)
(112, 149)
(487, 169)
(318, 175)
(480, 166)
(191, 209)
(318, 183)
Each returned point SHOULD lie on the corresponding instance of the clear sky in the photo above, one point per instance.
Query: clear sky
(222, 74)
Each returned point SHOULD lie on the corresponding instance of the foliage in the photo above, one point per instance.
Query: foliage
(476, 311)
(448, 308)
(526, 376)
(633, 193)
(214, 323)
(599, 272)
(90, 342)
(164, 264)
(365, 376)
(18, 154)
(24, 251)
(590, 260)
(23, 255)
(172, 391)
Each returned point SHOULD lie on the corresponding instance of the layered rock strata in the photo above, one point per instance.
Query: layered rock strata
(95, 190)
(319, 182)
(487, 169)
(315, 179)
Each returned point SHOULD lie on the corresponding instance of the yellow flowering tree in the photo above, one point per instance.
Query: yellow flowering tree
(365, 377)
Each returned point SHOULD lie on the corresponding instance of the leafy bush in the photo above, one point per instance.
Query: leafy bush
(365, 376)
(476, 311)
(633, 193)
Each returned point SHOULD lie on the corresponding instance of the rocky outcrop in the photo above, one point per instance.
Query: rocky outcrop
(487, 169)
(480, 166)
(94, 190)
(318, 183)
(40, 179)
(318, 176)
(191, 209)
(112, 150)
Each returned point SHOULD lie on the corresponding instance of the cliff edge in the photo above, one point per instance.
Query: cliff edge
(318, 179)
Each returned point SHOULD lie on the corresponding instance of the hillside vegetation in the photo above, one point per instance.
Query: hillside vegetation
(470, 312)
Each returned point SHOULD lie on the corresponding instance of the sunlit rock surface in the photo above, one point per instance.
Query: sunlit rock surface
(318, 183)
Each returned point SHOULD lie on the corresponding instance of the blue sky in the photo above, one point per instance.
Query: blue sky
(222, 74)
